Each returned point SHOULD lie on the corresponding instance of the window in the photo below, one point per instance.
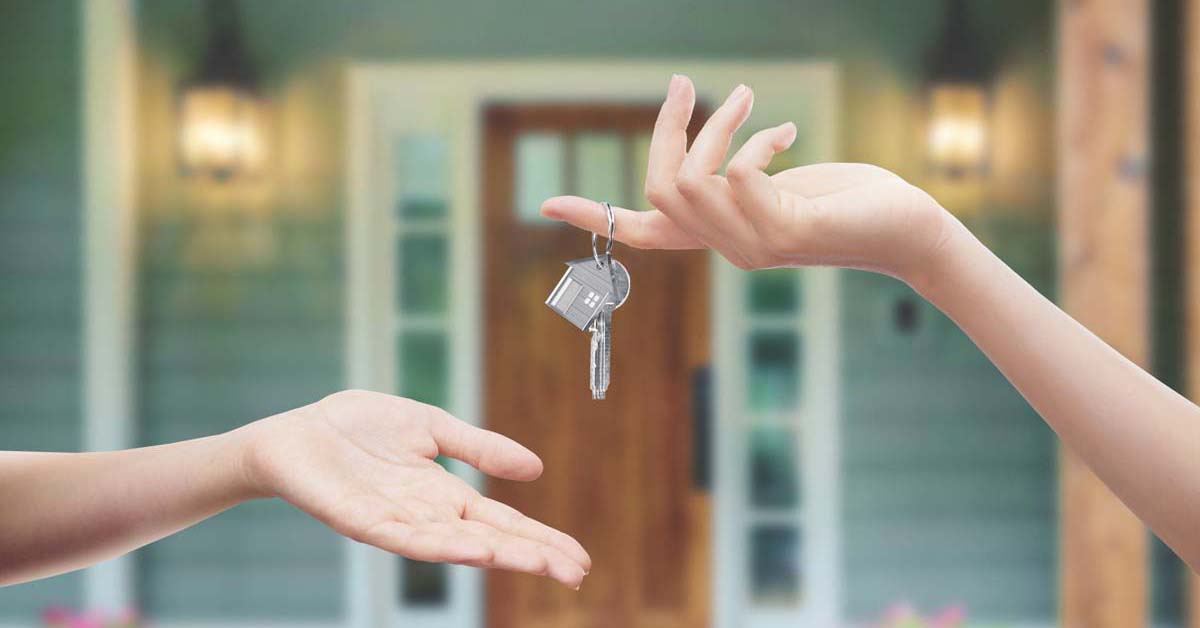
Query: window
(420, 317)
(777, 461)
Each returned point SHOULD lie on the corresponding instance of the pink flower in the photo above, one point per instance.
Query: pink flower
(56, 616)
(88, 620)
(950, 617)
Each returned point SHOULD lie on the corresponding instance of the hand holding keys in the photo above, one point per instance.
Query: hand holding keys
(586, 296)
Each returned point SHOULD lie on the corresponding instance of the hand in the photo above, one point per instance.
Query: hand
(363, 464)
(851, 215)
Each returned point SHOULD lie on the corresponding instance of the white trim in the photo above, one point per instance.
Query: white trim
(818, 415)
(108, 64)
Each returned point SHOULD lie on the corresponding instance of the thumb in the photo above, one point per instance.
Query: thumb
(494, 454)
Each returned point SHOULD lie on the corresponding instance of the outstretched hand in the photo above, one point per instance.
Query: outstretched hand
(851, 215)
(363, 463)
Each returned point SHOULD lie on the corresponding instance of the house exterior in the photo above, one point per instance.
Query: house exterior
(850, 451)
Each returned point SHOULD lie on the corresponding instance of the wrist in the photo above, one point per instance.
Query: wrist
(949, 252)
(242, 445)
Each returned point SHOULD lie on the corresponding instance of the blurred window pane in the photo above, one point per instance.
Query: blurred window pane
(641, 153)
(423, 177)
(600, 167)
(423, 366)
(422, 273)
(774, 291)
(540, 173)
(424, 584)
(774, 370)
(775, 565)
(773, 471)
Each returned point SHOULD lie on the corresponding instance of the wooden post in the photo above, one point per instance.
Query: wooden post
(1104, 261)
(1191, 170)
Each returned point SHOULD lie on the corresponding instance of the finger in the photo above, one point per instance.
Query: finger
(515, 553)
(756, 193)
(494, 454)
(668, 149)
(508, 519)
(722, 225)
(642, 230)
(711, 144)
(668, 143)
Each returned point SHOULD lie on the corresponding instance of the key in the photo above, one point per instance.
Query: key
(601, 358)
(587, 295)
(601, 354)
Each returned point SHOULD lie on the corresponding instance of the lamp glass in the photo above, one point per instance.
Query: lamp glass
(222, 131)
(957, 128)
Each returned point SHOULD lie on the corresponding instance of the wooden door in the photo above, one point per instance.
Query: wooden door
(619, 472)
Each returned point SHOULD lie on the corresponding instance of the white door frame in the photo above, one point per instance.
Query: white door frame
(448, 97)
(107, 57)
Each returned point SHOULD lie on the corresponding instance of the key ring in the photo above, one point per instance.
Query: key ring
(612, 228)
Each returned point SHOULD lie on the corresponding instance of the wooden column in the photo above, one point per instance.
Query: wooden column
(1104, 261)
(1191, 170)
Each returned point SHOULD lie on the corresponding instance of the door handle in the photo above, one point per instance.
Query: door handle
(702, 428)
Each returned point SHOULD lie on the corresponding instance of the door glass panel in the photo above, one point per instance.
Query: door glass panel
(773, 292)
(423, 366)
(599, 167)
(774, 370)
(773, 472)
(640, 157)
(423, 177)
(540, 173)
(424, 584)
(775, 565)
(422, 273)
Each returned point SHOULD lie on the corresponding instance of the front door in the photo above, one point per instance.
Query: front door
(619, 472)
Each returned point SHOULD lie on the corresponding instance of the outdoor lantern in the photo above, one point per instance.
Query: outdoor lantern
(222, 131)
(957, 99)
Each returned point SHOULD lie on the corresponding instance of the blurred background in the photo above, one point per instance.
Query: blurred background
(214, 211)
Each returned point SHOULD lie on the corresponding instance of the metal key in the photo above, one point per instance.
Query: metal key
(586, 295)
(601, 357)
(601, 354)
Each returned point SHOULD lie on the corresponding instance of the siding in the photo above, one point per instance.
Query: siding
(39, 251)
(949, 480)
(221, 348)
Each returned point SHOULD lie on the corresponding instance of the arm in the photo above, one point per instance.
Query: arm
(1139, 436)
(360, 462)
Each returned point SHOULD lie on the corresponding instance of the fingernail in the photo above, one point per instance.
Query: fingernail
(790, 128)
(737, 94)
(676, 86)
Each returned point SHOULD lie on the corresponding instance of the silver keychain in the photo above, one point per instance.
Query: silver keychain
(586, 295)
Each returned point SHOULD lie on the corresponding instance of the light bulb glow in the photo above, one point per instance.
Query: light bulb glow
(221, 132)
(957, 134)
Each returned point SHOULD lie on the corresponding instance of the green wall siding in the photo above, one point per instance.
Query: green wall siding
(949, 493)
(39, 250)
(220, 348)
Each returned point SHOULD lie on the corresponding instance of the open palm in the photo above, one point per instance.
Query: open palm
(363, 463)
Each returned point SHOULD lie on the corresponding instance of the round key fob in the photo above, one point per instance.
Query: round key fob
(620, 276)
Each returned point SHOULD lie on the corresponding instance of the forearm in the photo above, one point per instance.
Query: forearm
(1139, 436)
(64, 511)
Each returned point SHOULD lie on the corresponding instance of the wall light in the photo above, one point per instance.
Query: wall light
(957, 96)
(222, 116)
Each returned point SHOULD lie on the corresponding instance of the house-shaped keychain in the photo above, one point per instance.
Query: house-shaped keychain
(582, 290)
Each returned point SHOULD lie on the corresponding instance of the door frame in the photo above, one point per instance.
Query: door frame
(448, 97)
